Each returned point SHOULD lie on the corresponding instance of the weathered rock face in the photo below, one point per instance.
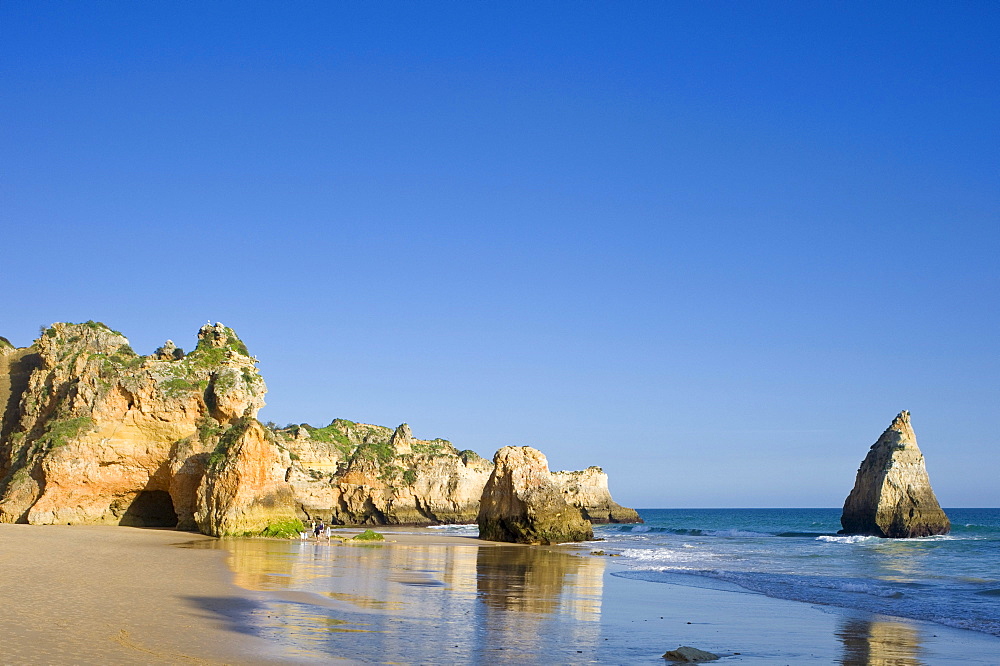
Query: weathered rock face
(94, 433)
(522, 503)
(588, 491)
(245, 490)
(688, 654)
(892, 495)
(355, 473)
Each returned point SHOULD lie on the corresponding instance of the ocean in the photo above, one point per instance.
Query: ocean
(796, 554)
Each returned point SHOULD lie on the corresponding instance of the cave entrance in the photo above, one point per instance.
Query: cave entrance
(150, 508)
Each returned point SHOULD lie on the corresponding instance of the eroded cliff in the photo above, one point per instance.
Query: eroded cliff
(371, 475)
(95, 433)
(588, 491)
(92, 432)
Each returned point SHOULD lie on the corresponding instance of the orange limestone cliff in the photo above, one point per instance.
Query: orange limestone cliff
(372, 475)
(92, 432)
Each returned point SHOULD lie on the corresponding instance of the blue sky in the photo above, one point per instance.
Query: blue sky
(711, 247)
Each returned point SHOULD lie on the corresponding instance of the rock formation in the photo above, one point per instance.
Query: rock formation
(245, 490)
(523, 503)
(688, 654)
(94, 433)
(91, 432)
(588, 491)
(355, 473)
(892, 495)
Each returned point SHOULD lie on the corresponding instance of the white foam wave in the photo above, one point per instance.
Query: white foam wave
(453, 526)
(854, 538)
(736, 533)
(777, 585)
(662, 555)
(861, 588)
(860, 538)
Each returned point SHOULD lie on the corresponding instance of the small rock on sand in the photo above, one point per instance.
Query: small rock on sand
(687, 654)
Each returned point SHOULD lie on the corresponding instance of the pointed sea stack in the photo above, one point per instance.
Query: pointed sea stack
(892, 495)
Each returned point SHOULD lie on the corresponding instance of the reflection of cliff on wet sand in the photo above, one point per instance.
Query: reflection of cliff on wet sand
(540, 581)
(425, 598)
(258, 564)
(878, 643)
(532, 601)
(500, 603)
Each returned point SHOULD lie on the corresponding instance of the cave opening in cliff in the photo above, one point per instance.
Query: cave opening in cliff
(150, 508)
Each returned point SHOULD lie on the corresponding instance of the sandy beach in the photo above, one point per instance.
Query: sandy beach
(123, 595)
(102, 594)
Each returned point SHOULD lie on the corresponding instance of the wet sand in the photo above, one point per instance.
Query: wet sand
(123, 595)
(426, 597)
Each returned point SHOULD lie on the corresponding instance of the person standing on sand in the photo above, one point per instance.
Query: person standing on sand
(320, 528)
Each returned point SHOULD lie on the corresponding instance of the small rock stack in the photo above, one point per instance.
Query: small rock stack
(523, 503)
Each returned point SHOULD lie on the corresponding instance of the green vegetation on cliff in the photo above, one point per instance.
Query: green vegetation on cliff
(335, 433)
(375, 451)
(228, 438)
(122, 360)
(209, 345)
(207, 429)
(208, 364)
(58, 433)
(52, 332)
(174, 387)
(368, 535)
(286, 529)
(469, 455)
(99, 326)
(435, 447)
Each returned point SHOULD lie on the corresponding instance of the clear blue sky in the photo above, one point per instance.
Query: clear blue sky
(711, 247)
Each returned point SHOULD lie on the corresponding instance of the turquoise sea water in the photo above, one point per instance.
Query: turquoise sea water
(796, 554)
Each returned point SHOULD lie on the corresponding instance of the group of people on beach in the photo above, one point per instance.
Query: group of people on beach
(319, 529)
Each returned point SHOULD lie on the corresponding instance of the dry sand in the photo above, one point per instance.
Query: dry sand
(125, 595)
(118, 595)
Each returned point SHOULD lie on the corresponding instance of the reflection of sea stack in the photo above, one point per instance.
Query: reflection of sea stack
(892, 495)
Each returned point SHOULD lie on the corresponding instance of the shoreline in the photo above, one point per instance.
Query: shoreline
(560, 604)
(105, 594)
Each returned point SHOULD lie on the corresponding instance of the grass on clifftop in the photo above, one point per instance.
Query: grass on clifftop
(100, 325)
(435, 447)
(335, 434)
(233, 343)
(380, 452)
(50, 331)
